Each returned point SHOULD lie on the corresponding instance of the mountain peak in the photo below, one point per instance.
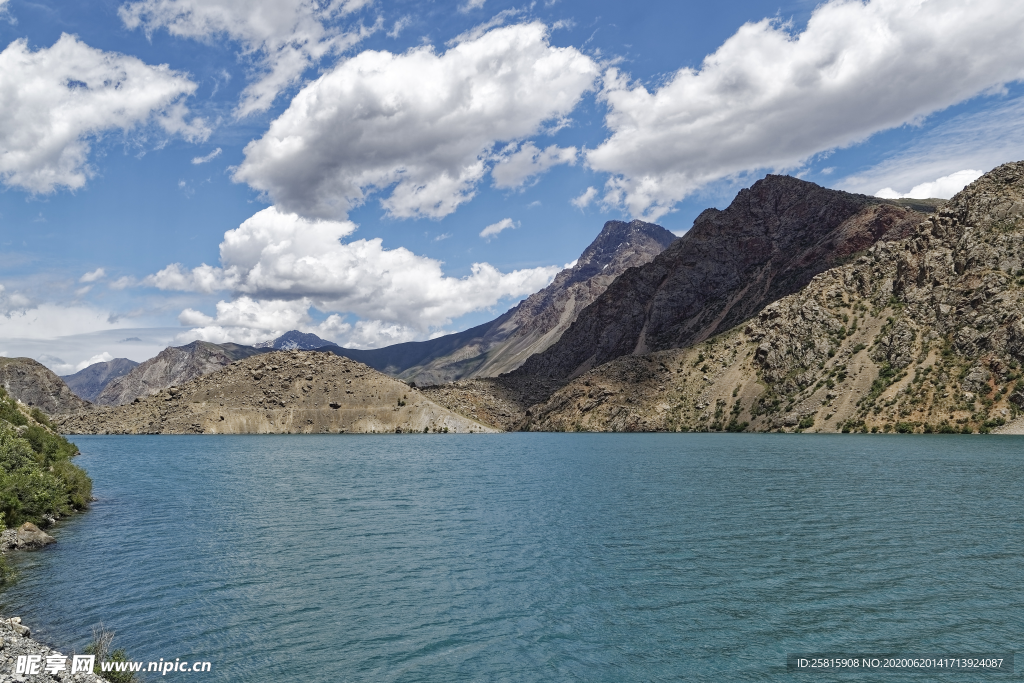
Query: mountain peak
(294, 339)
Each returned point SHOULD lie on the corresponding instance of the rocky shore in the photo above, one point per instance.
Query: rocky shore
(16, 641)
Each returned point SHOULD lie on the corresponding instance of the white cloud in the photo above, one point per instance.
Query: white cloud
(941, 188)
(420, 124)
(978, 140)
(493, 229)
(769, 98)
(93, 276)
(399, 26)
(56, 101)
(282, 37)
(209, 157)
(279, 265)
(585, 199)
(515, 168)
(471, 5)
(49, 320)
(99, 358)
(120, 283)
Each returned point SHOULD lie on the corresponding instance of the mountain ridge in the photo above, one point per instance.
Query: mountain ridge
(89, 382)
(504, 343)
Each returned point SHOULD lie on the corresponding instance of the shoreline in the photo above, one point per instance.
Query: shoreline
(16, 641)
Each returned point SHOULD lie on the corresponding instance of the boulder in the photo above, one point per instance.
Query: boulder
(31, 536)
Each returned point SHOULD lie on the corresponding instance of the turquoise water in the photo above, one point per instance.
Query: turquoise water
(537, 557)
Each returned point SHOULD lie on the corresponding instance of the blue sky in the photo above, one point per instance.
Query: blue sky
(378, 172)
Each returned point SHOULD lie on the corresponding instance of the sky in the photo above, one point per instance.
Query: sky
(381, 171)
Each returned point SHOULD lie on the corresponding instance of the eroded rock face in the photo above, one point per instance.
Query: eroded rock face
(37, 387)
(174, 365)
(920, 333)
(769, 243)
(283, 392)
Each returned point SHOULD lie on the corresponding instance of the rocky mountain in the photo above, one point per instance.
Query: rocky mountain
(771, 240)
(37, 387)
(89, 382)
(922, 332)
(281, 392)
(532, 326)
(172, 366)
(294, 340)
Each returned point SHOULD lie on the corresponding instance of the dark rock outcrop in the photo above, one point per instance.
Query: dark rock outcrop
(770, 242)
(89, 382)
(36, 386)
(924, 333)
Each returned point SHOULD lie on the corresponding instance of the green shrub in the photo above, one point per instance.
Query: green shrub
(37, 478)
(41, 417)
(102, 641)
(9, 410)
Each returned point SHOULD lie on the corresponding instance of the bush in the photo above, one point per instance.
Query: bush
(9, 410)
(102, 641)
(37, 478)
(41, 417)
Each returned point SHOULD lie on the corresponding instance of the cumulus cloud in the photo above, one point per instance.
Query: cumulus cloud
(282, 37)
(941, 188)
(585, 199)
(279, 265)
(516, 167)
(772, 98)
(54, 102)
(209, 157)
(493, 229)
(420, 126)
(93, 276)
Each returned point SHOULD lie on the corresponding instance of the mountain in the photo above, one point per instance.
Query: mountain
(771, 240)
(37, 387)
(294, 340)
(924, 333)
(174, 365)
(293, 392)
(532, 326)
(89, 382)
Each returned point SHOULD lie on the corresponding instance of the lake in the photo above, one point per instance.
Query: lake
(536, 557)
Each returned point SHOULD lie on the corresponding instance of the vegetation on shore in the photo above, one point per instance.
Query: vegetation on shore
(38, 481)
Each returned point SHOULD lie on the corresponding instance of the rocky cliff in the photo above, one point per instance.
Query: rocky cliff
(282, 392)
(89, 382)
(37, 387)
(172, 366)
(532, 326)
(924, 333)
(771, 240)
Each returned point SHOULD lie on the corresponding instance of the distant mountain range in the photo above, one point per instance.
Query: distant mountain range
(505, 343)
(88, 383)
(795, 308)
(483, 351)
